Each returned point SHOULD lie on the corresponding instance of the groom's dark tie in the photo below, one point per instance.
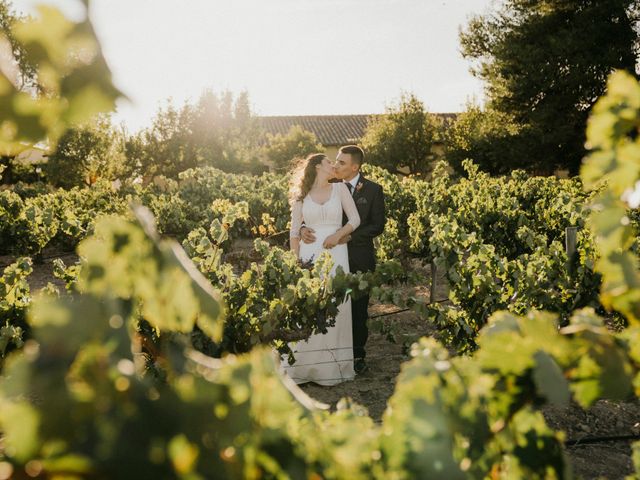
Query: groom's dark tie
(350, 187)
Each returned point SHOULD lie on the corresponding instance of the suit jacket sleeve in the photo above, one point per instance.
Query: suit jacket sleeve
(375, 226)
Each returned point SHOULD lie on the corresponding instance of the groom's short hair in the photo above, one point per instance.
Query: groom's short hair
(357, 154)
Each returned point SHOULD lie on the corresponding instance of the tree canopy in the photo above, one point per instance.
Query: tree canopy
(218, 130)
(87, 153)
(297, 143)
(403, 138)
(487, 137)
(25, 70)
(544, 63)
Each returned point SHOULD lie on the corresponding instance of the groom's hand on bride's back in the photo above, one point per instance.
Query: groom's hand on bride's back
(307, 234)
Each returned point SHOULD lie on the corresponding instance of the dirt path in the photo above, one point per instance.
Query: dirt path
(42, 272)
(373, 388)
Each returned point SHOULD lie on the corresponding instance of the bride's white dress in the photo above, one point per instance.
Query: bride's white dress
(326, 359)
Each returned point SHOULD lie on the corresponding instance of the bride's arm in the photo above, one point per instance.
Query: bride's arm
(349, 207)
(296, 224)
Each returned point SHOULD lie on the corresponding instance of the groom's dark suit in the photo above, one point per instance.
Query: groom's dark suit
(369, 200)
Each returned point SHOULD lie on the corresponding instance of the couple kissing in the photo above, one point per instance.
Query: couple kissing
(342, 217)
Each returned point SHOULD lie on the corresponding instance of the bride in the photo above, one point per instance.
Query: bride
(325, 359)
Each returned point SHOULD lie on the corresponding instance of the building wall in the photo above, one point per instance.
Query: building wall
(32, 156)
(331, 151)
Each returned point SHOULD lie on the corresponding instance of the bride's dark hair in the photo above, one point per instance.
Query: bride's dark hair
(303, 175)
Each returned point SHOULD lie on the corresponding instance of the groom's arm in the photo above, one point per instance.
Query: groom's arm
(375, 226)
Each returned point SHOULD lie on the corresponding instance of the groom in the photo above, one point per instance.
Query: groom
(369, 200)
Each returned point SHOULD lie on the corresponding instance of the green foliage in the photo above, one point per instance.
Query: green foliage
(41, 217)
(457, 417)
(403, 138)
(29, 225)
(60, 218)
(87, 153)
(484, 136)
(225, 132)
(612, 137)
(15, 297)
(266, 196)
(30, 189)
(282, 150)
(499, 240)
(73, 76)
(163, 148)
(69, 275)
(500, 243)
(80, 401)
(25, 71)
(480, 414)
(160, 281)
(275, 299)
(230, 418)
(544, 64)
(19, 171)
(217, 131)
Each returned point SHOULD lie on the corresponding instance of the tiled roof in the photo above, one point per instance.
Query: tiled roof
(330, 129)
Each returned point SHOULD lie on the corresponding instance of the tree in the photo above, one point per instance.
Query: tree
(72, 81)
(545, 63)
(484, 136)
(21, 71)
(23, 68)
(218, 130)
(86, 153)
(225, 133)
(403, 137)
(165, 148)
(297, 143)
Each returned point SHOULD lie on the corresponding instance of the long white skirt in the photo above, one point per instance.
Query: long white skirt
(325, 359)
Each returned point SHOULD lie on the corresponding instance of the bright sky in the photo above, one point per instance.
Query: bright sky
(294, 57)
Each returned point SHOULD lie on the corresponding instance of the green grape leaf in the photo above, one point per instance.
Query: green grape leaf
(549, 379)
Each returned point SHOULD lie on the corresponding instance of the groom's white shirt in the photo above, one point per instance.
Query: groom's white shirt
(354, 182)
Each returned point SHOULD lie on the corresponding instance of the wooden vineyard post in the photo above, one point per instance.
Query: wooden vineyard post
(434, 273)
